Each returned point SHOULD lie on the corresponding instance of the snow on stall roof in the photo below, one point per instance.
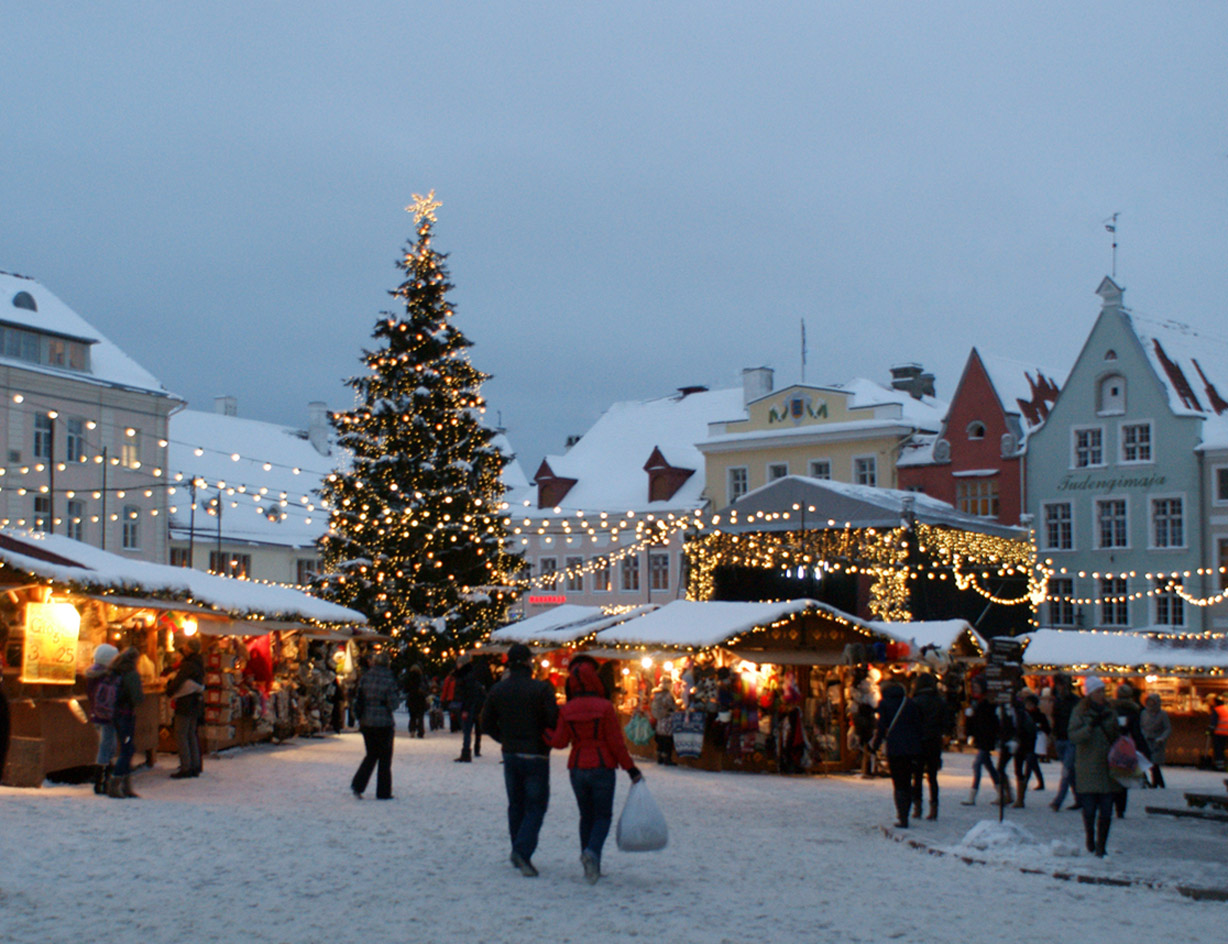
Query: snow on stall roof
(608, 461)
(564, 624)
(1092, 650)
(702, 623)
(108, 364)
(58, 558)
(927, 412)
(245, 515)
(941, 633)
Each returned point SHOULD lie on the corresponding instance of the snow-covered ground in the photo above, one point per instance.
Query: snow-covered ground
(269, 846)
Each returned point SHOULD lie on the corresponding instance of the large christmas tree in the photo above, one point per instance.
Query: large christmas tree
(416, 533)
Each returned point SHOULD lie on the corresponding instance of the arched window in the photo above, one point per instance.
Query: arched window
(1111, 395)
(1110, 355)
(24, 300)
(976, 430)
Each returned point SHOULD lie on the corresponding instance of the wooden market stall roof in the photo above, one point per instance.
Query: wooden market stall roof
(73, 567)
(1085, 651)
(565, 624)
(956, 635)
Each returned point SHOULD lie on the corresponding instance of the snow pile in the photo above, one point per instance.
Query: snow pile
(992, 836)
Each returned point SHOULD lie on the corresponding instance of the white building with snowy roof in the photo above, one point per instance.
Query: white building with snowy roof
(1128, 478)
(84, 428)
(601, 523)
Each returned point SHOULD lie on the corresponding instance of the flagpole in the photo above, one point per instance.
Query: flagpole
(803, 350)
(1111, 226)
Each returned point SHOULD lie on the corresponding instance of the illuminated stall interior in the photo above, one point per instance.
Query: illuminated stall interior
(1187, 671)
(60, 599)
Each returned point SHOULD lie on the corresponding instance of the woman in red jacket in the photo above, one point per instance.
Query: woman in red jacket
(590, 725)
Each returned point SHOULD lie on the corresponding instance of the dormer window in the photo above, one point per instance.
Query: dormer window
(37, 348)
(25, 300)
(976, 430)
(1111, 395)
(1110, 355)
(664, 480)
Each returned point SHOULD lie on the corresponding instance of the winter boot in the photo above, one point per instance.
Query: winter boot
(115, 788)
(100, 779)
(1007, 795)
(126, 788)
(1089, 835)
(465, 758)
(933, 813)
(1021, 791)
(1102, 836)
(916, 809)
(971, 801)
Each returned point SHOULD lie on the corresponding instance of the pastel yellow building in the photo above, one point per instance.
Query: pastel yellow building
(849, 432)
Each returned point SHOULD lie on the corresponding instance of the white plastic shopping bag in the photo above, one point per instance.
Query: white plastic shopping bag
(641, 826)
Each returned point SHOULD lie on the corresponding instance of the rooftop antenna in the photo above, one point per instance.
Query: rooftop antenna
(1111, 226)
(803, 350)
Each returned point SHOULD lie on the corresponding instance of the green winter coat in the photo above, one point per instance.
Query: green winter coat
(1093, 729)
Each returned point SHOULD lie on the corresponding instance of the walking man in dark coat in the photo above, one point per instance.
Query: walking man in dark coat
(520, 713)
(377, 698)
(899, 726)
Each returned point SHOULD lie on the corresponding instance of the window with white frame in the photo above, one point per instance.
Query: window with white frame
(1114, 601)
(230, 565)
(130, 532)
(74, 525)
(658, 570)
(1169, 607)
(821, 469)
(75, 445)
(1136, 442)
(777, 470)
(1059, 526)
(548, 568)
(1061, 603)
(130, 448)
(42, 513)
(976, 430)
(180, 557)
(1088, 447)
(630, 571)
(1167, 522)
(739, 483)
(977, 496)
(1111, 524)
(305, 570)
(601, 578)
(865, 470)
(43, 426)
(575, 574)
(1221, 485)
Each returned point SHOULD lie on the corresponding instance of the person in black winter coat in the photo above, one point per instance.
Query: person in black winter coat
(981, 727)
(415, 700)
(471, 693)
(899, 727)
(186, 688)
(1064, 701)
(520, 713)
(934, 712)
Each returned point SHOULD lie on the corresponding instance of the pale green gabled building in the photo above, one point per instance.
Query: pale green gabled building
(1122, 485)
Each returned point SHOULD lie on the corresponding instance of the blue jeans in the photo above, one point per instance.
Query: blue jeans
(1066, 752)
(106, 743)
(594, 790)
(984, 758)
(527, 779)
(125, 733)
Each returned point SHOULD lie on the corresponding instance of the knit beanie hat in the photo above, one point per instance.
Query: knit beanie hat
(105, 654)
(1091, 684)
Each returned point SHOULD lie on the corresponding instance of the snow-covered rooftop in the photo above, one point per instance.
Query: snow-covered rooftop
(108, 364)
(58, 558)
(941, 633)
(1111, 653)
(564, 624)
(608, 461)
(1015, 382)
(275, 478)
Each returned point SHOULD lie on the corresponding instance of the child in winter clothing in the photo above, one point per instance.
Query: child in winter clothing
(663, 707)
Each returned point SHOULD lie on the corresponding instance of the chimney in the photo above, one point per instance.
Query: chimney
(756, 382)
(911, 379)
(318, 426)
(227, 406)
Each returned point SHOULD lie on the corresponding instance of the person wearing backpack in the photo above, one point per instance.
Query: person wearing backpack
(590, 725)
(130, 694)
(1093, 731)
(101, 689)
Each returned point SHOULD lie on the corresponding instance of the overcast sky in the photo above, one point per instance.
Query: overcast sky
(636, 196)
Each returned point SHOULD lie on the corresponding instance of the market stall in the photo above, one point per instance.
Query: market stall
(60, 599)
(1187, 671)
